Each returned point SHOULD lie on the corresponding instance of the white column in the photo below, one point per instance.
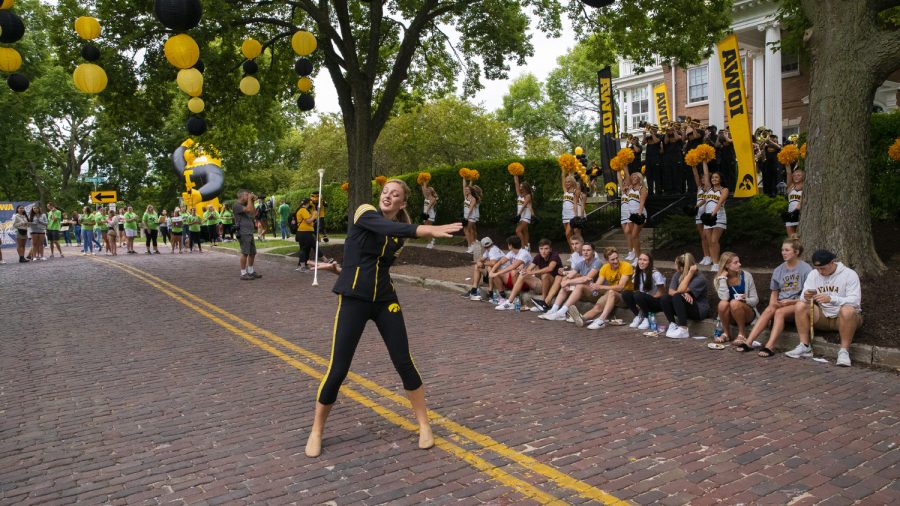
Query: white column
(623, 110)
(773, 80)
(759, 90)
(716, 91)
(651, 105)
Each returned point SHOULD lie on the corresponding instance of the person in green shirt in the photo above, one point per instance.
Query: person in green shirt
(227, 223)
(193, 223)
(176, 226)
(211, 224)
(87, 231)
(98, 231)
(284, 216)
(131, 227)
(150, 220)
(103, 226)
(54, 224)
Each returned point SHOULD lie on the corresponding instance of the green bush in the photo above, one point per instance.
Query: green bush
(755, 221)
(884, 173)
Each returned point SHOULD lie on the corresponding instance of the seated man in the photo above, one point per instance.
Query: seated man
(537, 276)
(576, 285)
(615, 278)
(507, 270)
(491, 255)
(833, 294)
(574, 259)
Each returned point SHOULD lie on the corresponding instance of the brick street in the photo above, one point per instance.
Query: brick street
(195, 387)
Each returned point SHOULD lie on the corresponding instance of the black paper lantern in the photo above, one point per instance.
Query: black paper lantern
(178, 15)
(303, 66)
(196, 125)
(11, 27)
(90, 52)
(17, 82)
(250, 67)
(597, 3)
(200, 66)
(306, 102)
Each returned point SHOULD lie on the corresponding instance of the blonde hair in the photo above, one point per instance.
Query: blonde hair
(724, 260)
(795, 243)
(685, 262)
(609, 250)
(476, 191)
(402, 215)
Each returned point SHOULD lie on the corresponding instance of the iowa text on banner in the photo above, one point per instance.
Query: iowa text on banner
(738, 115)
(661, 96)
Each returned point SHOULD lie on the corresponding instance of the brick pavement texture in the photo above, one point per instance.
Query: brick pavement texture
(113, 392)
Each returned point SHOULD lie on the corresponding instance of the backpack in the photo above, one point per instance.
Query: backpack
(292, 223)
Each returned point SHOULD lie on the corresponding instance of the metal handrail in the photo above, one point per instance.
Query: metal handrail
(611, 202)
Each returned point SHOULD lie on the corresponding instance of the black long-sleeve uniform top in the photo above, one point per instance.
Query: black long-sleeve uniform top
(372, 244)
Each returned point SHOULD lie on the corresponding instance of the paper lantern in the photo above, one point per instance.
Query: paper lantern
(597, 3)
(196, 125)
(250, 67)
(249, 86)
(251, 48)
(6, 4)
(10, 60)
(87, 28)
(178, 15)
(182, 51)
(305, 84)
(17, 82)
(90, 52)
(190, 81)
(579, 151)
(89, 78)
(303, 43)
(11, 27)
(303, 67)
(306, 102)
(196, 105)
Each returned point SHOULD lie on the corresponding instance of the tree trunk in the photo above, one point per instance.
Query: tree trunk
(835, 213)
(360, 151)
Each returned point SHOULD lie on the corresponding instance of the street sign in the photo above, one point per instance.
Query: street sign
(94, 179)
(112, 207)
(104, 196)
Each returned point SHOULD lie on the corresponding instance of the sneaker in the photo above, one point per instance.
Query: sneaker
(475, 296)
(430, 245)
(575, 314)
(630, 256)
(302, 269)
(558, 316)
(714, 268)
(637, 321)
(504, 306)
(255, 274)
(536, 309)
(706, 261)
(597, 324)
(644, 325)
(246, 277)
(679, 333)
(802, 351)
(471, 248)
(843, 358)
(540, 304)
(671, 330)
(569, 319)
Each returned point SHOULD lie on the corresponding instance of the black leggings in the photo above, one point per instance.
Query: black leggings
(678, 306)
(195, 239)
(151, 237)
(647, 303)
(350, 321)
(307, 242)
(164, 233)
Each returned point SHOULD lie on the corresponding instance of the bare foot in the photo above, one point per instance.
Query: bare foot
(426, 438)
(314, 445)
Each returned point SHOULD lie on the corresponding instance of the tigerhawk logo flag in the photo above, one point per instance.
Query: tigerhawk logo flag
(738, 115)
(607, 113)
(661, 94)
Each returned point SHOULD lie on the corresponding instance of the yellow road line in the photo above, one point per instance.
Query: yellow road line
(564, 480)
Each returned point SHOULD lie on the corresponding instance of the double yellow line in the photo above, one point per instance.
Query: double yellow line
(458, 433)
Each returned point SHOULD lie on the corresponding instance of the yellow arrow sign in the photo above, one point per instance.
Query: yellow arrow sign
(104, 197)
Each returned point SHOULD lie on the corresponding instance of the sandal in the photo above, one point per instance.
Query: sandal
(742, 347)
(724, 338)
(739, 341)
(765, 353)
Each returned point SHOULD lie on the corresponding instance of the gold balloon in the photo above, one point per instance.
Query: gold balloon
(196, 105)
(251, 48)
(303, 43)
(182, 51)
(90, 78)
(88, 28)
(10, 60)
(249, 85)
(579, 151)
(6, 4)
(305, 84)
(190, 81)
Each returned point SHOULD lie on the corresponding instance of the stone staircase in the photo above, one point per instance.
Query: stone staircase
(617, 238)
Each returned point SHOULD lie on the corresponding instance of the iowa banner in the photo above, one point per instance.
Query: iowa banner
(661, 96)
(609, 145)
(738, 115)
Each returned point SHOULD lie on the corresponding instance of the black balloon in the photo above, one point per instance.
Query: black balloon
(306, 102)
(200, 66)
(250, 67)
(11, 27)
(17, 82)
(196, 125)
(598, 3)
(90, 52)
(303, 66)
(178, 15)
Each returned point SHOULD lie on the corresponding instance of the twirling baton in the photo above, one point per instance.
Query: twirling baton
(318, 212)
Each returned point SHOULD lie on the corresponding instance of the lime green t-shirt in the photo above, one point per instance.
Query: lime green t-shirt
(193, 222)
(151, 220)
(176, 226)
(227, 217)
(99, 221)
(131, 221)
(87, 221)
(211, 218)
(54, 218)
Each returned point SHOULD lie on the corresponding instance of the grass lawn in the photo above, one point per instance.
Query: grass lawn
(284, 250)
(271, 243)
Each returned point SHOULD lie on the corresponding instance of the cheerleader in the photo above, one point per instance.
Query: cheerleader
(715, 226)
(701, 208)
(524, 210)
(637, 197)
(429, 198)
(795, 199)
(472, 196)
(374, 238)
(568, 203)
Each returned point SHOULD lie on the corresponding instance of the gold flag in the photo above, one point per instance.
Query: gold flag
(738, 115)
(661, 94)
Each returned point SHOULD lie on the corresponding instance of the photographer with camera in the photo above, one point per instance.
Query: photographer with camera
(244, 213)
(262, 217)
(653, 148)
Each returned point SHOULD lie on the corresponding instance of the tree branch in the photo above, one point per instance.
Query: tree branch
(885, 52)
(376, 14)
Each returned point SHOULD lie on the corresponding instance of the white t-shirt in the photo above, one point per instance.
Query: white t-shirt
(522, 255)
(657, 279)
(493, 253)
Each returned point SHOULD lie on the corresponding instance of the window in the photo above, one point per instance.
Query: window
(698, 80)
(790, 63)
(788, 131)
(639, 106)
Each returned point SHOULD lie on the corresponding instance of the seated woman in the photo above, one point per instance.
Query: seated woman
(649, 287)
(787, 282)
(737, 298)
(576, 285)
(686, 298)
(614, 279)
(538, 276)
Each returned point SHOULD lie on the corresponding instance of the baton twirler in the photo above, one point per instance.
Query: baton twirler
(318, 212)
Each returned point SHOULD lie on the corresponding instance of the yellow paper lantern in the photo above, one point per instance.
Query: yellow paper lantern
(6, 4)
(249, 85)
(196, 105)
(182, 51)
(10, 60)
(190, 81)
(251, 48)
(303, 43)
(305, 84)
(90, 78)
(87, 28)
(579, 151)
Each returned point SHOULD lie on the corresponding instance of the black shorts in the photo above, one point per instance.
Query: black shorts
(248, 245)
(22, 233)
(53, 235)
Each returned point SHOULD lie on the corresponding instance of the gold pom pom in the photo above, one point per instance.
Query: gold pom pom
(568, 163)
(345, 186)
(894, 150)
(381, 180)
(516, 169)
(618, 163)
(788, 155)
(706, 153)
(692, 158)
(626, 154)
(464, 173)
(423, 178)
(803, 151)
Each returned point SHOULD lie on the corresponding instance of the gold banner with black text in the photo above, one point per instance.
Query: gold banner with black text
(738, 115)
(661, 96)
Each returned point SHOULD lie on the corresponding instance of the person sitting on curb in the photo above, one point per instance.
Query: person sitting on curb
(686, 298)
(491, 254)
(649, 287)
(737, 299)
(615, 278)
(576, 285)
(574, 259)
(832, 299)
(505, 273)
(537, 276)
(787, 281)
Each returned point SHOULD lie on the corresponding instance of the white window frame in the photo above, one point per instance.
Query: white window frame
(792, 71)
(637, 96)
(690, 70)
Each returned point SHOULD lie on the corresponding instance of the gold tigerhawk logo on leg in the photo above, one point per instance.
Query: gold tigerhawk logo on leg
(394, 308)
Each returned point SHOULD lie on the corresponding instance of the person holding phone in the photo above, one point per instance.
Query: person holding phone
(737, 298)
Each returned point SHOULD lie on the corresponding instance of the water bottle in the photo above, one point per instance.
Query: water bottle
(718, 332)
(651, 317)
(494, 297)
(518, 305)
